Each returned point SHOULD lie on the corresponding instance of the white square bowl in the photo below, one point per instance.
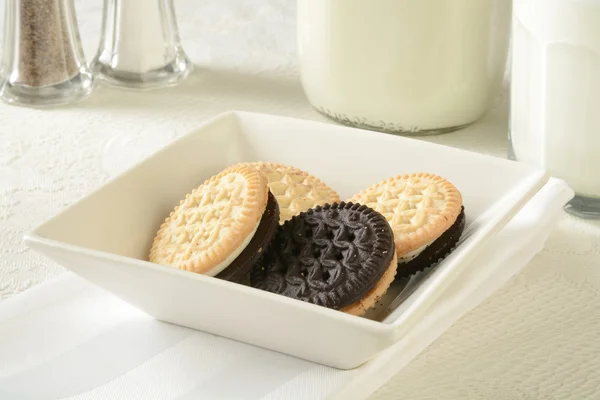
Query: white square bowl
(106, 236)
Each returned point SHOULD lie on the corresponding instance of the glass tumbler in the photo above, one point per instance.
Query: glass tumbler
(140, 46)
(43, 61)
(555, 123)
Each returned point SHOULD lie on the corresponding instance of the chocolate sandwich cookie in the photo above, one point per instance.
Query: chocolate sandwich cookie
(426, 214)
(220, 228)
(339, 256)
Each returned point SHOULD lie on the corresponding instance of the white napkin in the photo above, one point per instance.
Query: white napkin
(70, 340)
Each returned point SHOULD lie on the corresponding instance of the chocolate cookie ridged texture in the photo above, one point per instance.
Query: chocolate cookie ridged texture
(330, 256)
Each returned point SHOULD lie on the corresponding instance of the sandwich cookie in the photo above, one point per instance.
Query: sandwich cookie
(339, 256)
(222, 228)
(426, 214)
(294, 189)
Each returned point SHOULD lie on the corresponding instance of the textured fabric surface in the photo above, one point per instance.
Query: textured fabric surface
(534, 339)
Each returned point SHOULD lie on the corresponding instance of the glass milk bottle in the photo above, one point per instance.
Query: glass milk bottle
(555, 107)
(403, 66)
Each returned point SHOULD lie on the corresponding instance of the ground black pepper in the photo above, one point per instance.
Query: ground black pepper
(45, 55)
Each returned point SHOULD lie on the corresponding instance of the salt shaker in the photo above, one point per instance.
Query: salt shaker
(43, 62)
(140, 46)
(555, 120)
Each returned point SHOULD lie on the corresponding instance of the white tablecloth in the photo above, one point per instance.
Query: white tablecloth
(537, 338)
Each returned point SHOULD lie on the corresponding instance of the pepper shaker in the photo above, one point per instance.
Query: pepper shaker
(140, 46)
(43, 60)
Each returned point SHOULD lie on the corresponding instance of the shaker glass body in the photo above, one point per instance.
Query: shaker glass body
(140, 46)
(403, 66)
(555, 105)
(43, 63)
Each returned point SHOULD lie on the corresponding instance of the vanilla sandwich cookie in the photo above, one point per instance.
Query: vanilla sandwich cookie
(221, 228)
(426, 214)
(295, 190)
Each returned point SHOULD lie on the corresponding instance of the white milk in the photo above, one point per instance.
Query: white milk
(403, 65)
(555, 113)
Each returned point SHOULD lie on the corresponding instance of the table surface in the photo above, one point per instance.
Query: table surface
(536, 338)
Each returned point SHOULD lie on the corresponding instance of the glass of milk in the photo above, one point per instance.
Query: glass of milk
(403, 66)
(555, 105)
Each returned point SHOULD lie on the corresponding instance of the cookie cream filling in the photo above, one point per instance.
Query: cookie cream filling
(233, 255)
(411, 255)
